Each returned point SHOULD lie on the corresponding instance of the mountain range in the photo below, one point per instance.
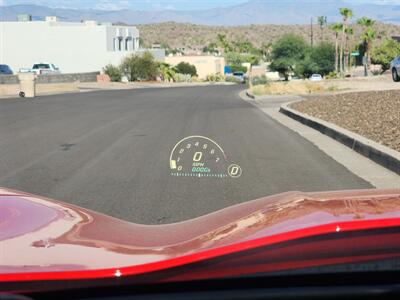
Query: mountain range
(251, 12)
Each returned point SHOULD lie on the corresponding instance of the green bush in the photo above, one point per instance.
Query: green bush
(232, 79)
(385, 53)
(179, 77)
(319, 59)
(235, 58)
(331, 75)
(238, 68)
(186, 68)
(215, 77)
(139, 67)
(257, 80)
(166, 72)
(287, 52)
(113, 72)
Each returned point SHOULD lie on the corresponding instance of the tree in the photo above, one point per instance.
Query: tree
(367, 37)
(346, 13)
(186, 68)
(336, 27)
(238, 68)
(244, 47)
(211, 48)
(324, 58)
(142, 43)
(319, 59)
(288, 51)
(266, 49)
(349, 31)
(322, 22)
(139, 67)
(385, 53)
(235, 58)
(223, 43)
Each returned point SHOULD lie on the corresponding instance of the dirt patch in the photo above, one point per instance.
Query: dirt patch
(306, 87)
(295, 87)
(374, 115)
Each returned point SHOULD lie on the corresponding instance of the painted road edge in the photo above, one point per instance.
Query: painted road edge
(382, 155)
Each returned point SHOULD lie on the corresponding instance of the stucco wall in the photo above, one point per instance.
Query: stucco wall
(59, 78)
(73, 47)
(205, 65)
(9, 79)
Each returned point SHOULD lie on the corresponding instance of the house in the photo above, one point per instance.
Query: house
(205, 65)
(74, 47)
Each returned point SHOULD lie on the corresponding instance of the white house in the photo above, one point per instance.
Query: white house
(74, 47)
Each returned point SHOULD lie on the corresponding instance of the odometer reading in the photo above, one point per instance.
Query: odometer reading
(199, 156)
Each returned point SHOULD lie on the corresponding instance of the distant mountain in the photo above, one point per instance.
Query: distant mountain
(251, 12)
(194, 37)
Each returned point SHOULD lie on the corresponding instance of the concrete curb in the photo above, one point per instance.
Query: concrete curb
(249, 94)
(380, 154)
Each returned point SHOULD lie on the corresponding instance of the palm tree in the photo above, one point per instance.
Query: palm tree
(223, 43)
(167, 72)
(266, 49)
(346, 13)
(349, 31)
(336, 27)
(322, 22)
(367, 37)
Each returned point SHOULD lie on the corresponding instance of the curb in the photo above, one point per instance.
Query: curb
(382, 155)
(249, 94)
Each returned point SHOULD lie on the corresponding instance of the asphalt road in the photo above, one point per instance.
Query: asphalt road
(109, 151)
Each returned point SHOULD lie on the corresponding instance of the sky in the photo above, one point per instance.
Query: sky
(152, 4)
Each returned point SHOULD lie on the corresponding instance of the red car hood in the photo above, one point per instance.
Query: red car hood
(43, 239)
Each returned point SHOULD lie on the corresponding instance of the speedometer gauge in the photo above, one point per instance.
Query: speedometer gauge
(199, 156)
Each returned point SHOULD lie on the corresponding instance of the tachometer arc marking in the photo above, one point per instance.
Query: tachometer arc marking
(197, 136)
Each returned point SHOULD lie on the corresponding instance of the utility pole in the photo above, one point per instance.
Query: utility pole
(312, 33)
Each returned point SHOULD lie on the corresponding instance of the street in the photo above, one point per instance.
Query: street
(109, 151)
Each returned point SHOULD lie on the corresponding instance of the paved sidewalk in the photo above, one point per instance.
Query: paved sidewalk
(363, 167)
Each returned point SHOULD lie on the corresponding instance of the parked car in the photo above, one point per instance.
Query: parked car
(42, 68)
(316, 77)
(240, 75)
(395, 67)
(6, 70)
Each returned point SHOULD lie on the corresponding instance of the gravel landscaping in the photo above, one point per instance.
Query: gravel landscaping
(374, 115)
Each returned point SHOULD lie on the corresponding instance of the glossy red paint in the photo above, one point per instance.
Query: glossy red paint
(43, 239)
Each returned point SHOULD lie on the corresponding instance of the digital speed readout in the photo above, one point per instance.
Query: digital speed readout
(201, 157)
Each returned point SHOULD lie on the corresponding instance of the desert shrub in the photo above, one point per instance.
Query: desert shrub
(113, 72)
(257, 80)
(215, 77)
(376, 69)
(385, 53)
(179, 77)
(139, 67)
(332, 88)
(232, 79)
(331, 75)
(186, 68)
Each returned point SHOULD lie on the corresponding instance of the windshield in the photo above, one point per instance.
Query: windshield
(41, 66)
(218, 123)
